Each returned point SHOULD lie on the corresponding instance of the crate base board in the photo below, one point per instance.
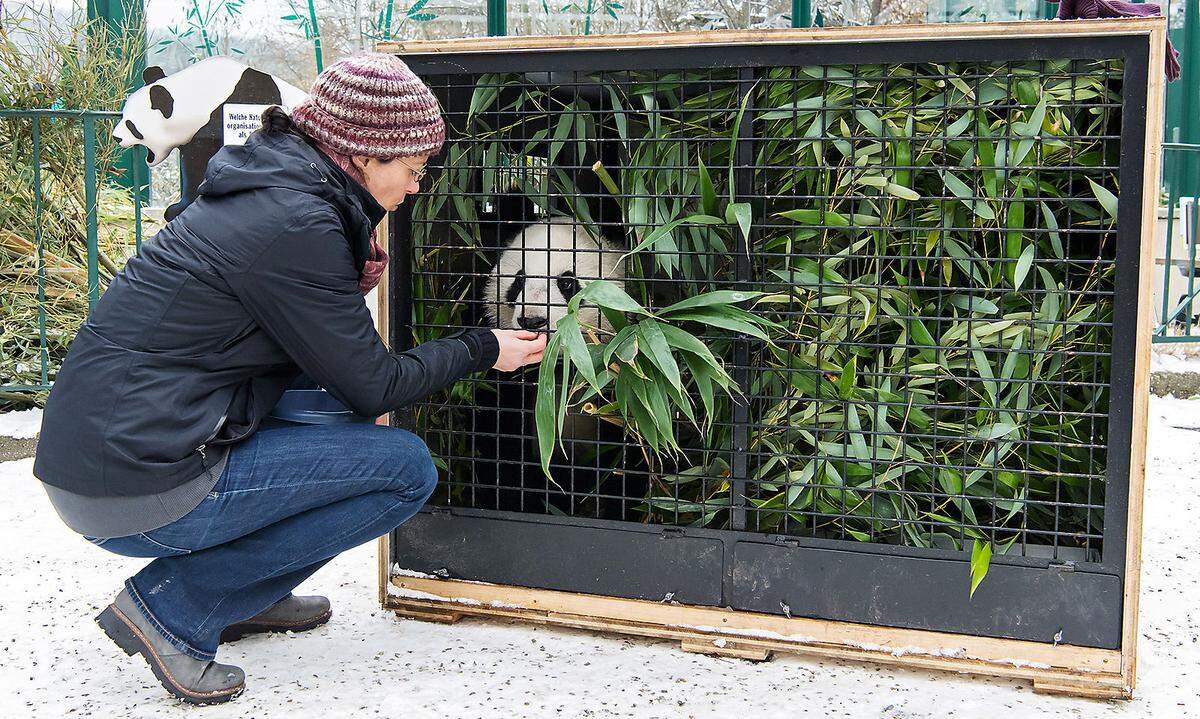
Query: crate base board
(1075, 671)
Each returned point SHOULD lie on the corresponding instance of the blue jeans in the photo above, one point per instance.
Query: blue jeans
(290, 499)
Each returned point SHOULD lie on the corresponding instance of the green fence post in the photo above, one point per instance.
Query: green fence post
(1188, 87)
(1172, 200)
(121, 19)
(497, 18)
(44, 350)
(801, 13)
(89, 193)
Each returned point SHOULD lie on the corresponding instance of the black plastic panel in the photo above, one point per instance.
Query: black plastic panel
(1014, 602)
(620, 563)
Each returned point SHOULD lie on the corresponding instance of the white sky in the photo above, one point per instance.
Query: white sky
(160, 14)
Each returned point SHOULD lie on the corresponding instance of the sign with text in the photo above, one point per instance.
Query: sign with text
(241, 120)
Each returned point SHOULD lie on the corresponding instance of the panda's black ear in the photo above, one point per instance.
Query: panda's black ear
(162, 100)
(152, 74)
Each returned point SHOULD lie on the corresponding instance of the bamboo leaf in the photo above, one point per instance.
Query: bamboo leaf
(577, 349)
(870, 121)
(486, 92)
(848, 378)
(1034, 126)
(901, 191)
(625, 334)
(739, 212)
(1107, 199)
(659, 352)
(708, 194)
(606, 294)
(1052, 224)
(981, 560)
(734, 135)
(701, 374)
(971, 303)
(816, 217)
(544, 406)
(1015, 222)
(1023, 265)
(794, 109)
(959, 189)
(994, 431)
(717, 297)
(722, 321)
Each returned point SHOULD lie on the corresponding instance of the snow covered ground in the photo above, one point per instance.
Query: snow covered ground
(55, 662)
(1183, 357)
(20, 425)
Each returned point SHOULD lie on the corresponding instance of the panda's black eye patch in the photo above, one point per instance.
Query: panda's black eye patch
(568, 285)
(162, 100)
(515, 289)
(133, 129)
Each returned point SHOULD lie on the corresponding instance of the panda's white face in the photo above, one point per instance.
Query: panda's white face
(541, 269)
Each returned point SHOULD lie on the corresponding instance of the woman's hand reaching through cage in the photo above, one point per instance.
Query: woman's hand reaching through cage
(519, 348)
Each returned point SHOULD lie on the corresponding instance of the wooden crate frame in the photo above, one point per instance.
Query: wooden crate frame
(1053, 669)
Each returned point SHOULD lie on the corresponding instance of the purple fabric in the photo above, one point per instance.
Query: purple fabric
(1092, 9)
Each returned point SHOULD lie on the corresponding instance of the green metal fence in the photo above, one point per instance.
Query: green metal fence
(32, 161)
(1176, 323)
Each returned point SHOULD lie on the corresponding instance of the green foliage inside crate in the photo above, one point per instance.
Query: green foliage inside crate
(926, 292)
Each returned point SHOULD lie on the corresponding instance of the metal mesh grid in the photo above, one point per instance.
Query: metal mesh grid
(936, 244)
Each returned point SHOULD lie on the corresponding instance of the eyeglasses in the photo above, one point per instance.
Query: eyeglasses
(418, 173)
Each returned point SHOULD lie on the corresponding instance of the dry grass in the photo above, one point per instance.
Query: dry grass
(54, 63)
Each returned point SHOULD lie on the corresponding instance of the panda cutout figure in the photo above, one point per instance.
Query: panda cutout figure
(186, 110)
(537, 271)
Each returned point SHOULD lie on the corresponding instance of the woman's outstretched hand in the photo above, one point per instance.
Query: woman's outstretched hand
(519, 348)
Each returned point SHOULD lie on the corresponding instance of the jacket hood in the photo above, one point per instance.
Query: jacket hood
(276, 156)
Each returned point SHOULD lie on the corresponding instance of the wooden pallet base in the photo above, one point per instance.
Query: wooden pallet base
(428, 614)
(723, 647)
(1075, 671)
(1064, 687)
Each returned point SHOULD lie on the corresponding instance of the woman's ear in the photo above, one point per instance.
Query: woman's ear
(360, 162)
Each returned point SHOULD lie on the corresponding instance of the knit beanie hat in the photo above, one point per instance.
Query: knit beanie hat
(374, 106)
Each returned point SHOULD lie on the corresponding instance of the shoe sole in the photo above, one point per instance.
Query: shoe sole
(235, 632)
(130, 639)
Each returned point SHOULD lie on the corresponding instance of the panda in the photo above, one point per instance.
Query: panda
(536, 272)
(541, 268)
(185, 109)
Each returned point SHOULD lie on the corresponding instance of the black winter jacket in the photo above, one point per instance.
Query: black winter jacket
(197, 336)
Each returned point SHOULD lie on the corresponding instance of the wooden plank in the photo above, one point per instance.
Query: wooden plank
(1141, 363)
(480, 597)
(381, 326)
(722, 647)
(426, 614)
(1078, 670)
(874, 33)
(1064, 687)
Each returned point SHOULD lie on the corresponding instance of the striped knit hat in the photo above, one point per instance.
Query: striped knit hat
(372, 105)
